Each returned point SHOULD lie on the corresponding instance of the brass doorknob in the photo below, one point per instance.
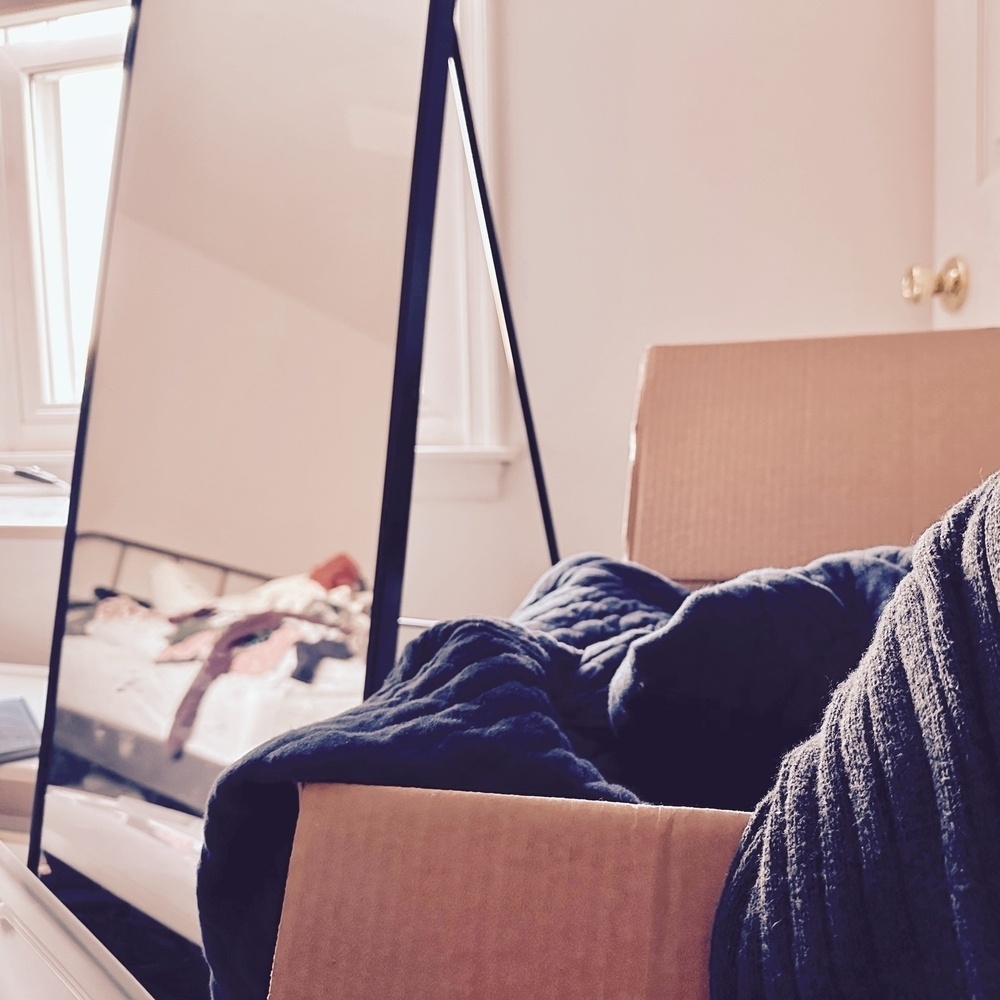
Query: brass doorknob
(920, 283)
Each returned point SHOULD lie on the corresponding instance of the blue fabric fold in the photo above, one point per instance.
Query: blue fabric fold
(522, 706)
(704, 708)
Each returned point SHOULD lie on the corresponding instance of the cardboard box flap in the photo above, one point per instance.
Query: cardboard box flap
(747, 455)
(430, 894)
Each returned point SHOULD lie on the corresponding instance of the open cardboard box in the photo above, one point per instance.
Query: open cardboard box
(743, 455)
(424, 894)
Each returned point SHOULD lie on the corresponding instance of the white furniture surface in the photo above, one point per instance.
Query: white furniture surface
(26, 514)
(45, 952)
(17, 778)
(144, 853)
(85, 830)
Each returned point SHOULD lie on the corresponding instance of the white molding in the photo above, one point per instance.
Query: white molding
(471, 466)
(27, 421)
(32, 671)
(462, 401)
(484, 359)
(32, 516)
(472, 473)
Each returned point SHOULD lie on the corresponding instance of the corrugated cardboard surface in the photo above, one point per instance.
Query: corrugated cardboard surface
(773, 453)
(406, 893)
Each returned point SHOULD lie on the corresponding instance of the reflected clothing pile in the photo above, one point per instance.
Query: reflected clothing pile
(608, 682)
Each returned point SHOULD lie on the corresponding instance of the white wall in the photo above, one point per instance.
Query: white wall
(227, 429)
(671, 172)
(680, 172)
(29, 576)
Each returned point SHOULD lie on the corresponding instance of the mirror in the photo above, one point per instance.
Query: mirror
(228, 496)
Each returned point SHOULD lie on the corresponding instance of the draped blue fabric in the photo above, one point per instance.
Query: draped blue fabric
(608, 682)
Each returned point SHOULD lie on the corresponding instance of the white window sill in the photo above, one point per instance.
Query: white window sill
(441, 473)
(445, 472)
(28, 512)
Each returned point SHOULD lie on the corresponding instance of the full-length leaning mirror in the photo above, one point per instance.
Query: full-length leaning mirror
(228, 502)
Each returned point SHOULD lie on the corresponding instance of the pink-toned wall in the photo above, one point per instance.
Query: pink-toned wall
(680, 172)
(29, 575)
(666, 172)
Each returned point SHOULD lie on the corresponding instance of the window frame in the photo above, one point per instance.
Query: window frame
(462, 444)
(32, 430)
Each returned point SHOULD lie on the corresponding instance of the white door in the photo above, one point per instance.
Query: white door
(967, 155)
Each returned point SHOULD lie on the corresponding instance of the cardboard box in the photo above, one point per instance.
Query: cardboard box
(774, 453)
(427, 895)
(743, 455)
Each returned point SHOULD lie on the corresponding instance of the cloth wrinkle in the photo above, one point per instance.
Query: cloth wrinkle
(607, 682)
(901, 784)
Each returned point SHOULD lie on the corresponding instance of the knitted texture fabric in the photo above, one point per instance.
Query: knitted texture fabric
(871, 869)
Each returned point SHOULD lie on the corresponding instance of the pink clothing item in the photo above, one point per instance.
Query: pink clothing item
(195, 646)
(262, 657)
(121, 606)
(218, 663)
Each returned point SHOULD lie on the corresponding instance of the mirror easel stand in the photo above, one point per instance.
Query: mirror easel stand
(442, 61)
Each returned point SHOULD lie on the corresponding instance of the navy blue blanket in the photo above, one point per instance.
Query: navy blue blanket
(705, 708)
(871, 870)
(608, 682)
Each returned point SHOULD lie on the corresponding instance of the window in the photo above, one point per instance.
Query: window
(461, 442)
(76, 116)
(60, 87)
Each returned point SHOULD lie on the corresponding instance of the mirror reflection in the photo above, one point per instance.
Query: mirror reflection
(230, 488)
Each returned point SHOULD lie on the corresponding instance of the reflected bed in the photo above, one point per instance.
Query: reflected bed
(173, 667)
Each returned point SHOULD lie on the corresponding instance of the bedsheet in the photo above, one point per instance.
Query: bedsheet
(124, 688)
(173, 671)
(542, 704)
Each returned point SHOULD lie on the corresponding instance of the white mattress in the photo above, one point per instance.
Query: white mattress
(127, 690)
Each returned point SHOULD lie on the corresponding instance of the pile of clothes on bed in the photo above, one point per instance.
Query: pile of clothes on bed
(871, 867)
(280, 631)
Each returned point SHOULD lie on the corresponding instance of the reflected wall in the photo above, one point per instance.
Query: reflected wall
(249, 312)
(229, 485)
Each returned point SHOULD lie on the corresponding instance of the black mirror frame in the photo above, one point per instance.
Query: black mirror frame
(442, 59)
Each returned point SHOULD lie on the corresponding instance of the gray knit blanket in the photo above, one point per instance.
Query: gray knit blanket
(872, 867)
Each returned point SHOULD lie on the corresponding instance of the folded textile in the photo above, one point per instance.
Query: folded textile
(474, 704)
(219, 661)
(872, 867)
(600, 608)
(518, 706)
(704, 708)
